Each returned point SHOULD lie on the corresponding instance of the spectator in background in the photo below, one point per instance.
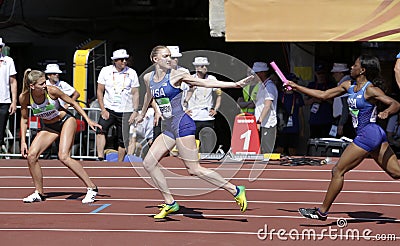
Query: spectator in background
(292, 102)
(8, 92)
(246, 102)
(141, 135)
(53, 78)
(202, 108)
(175, 55)
(118, 97)
(266, 105)
(340, 72)
(321, 115)
(397, 69)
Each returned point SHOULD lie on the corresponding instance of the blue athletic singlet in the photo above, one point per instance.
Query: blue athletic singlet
(168, 98)
(369, 134)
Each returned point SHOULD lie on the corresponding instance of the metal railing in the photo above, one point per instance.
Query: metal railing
(84, 146)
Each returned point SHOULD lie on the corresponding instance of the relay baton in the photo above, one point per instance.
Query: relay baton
(280, 74)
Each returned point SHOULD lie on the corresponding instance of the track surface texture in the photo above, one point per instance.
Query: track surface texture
(366, 212)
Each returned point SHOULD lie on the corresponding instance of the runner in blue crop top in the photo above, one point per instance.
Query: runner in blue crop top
(57, 123)
(363, 113)
(370, 139)
(168, 99)
(163, 85)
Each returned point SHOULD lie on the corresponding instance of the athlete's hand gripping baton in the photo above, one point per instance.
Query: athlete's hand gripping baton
(280, 74)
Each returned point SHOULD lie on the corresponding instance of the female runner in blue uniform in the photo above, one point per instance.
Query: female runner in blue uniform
(56, 123)
(163, 85)
(370, 139)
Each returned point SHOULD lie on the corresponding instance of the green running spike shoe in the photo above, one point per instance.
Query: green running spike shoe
(241, 198)
(166, 209)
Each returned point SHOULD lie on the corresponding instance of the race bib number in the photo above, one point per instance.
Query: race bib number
(354, 117)
(47, 112)
(165, 107)
(315, 108)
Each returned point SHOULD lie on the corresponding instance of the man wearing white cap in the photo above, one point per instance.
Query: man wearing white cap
(53, 78)
(343, 125)
(201, 108)
(397, 70)
(266, 105)
(175, 54)
(118, 97)
(8, 101)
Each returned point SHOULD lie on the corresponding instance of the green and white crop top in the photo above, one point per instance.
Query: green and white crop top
(47, 110)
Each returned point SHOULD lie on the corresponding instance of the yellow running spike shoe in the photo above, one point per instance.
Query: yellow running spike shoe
(241, 198)
(167, 209)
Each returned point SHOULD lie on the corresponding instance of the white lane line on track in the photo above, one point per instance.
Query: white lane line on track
(213, 201)
(244, 216)
(209, 189)
(331, 218)
(137, 231)
(252, 233)
(219, 168)
(195, 178)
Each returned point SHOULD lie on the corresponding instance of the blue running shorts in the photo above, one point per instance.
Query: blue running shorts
(370, 137)
(179, 126)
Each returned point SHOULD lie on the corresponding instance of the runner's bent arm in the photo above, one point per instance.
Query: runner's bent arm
(56, 93)
(375, 93)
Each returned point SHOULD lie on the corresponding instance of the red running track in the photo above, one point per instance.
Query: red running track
(366, 211)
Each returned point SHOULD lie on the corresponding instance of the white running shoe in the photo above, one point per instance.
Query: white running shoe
(34, 197)
(90, 195)
(3, 149)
